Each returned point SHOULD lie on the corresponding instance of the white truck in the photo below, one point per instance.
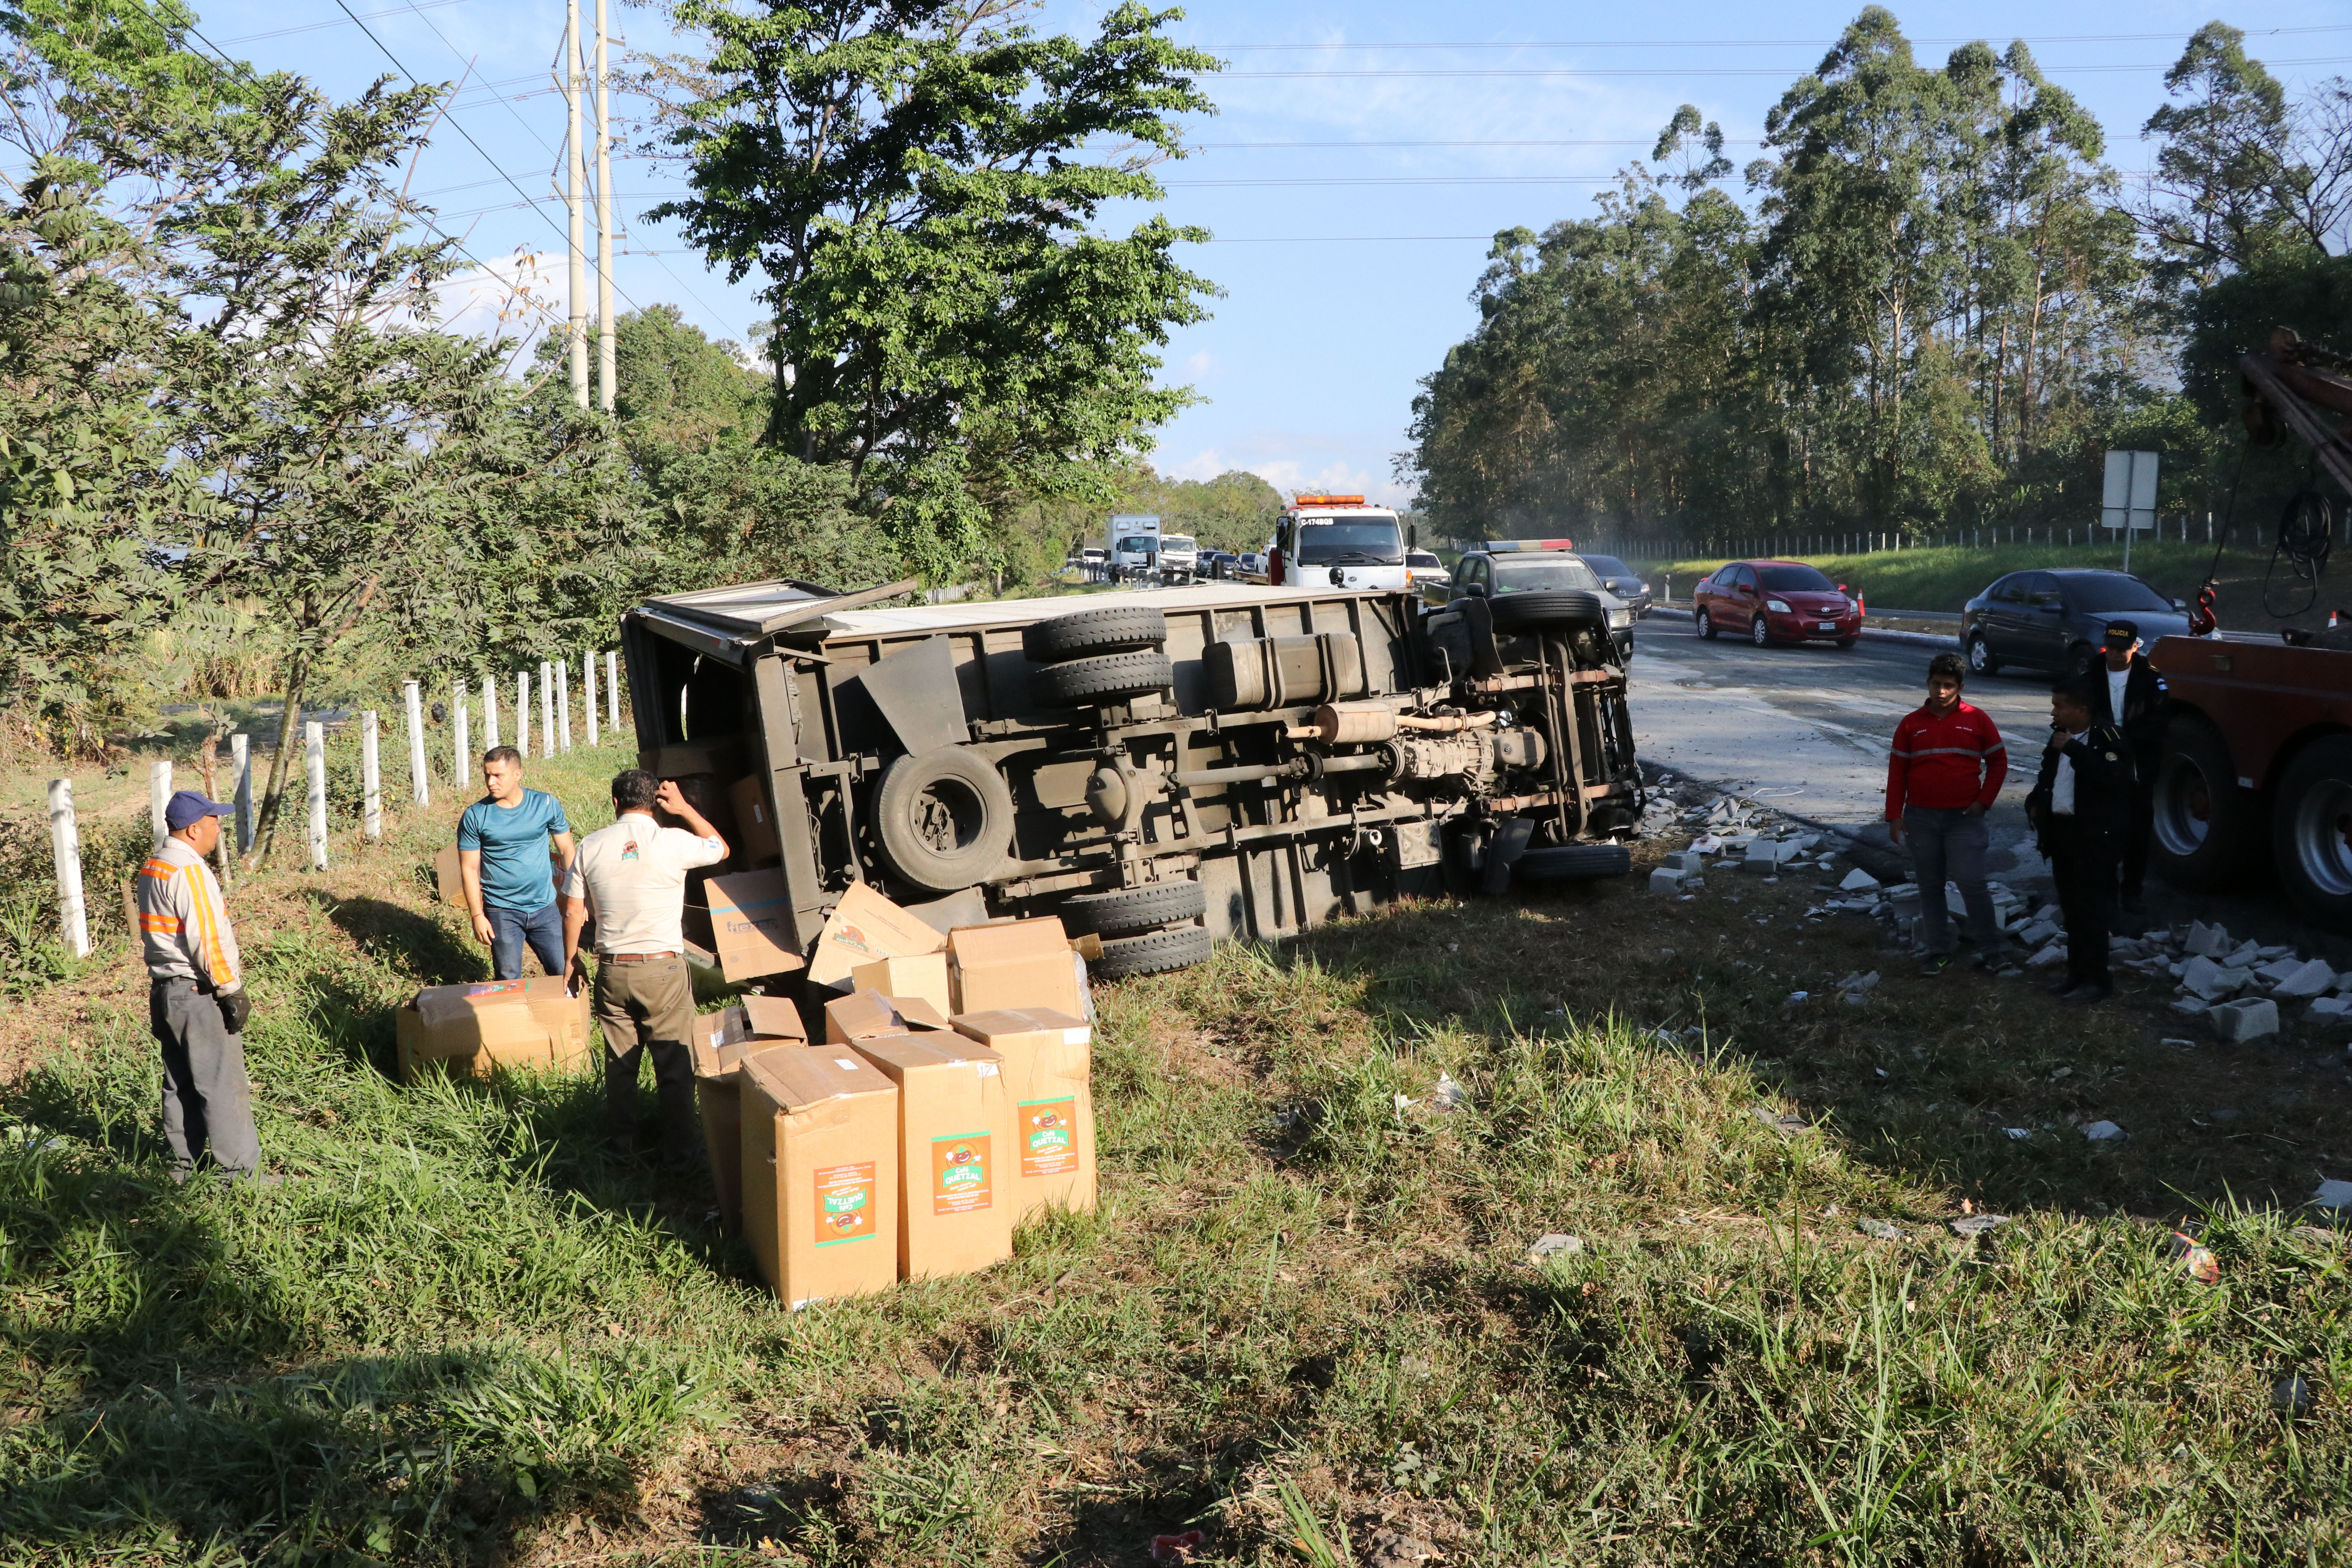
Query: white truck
(1134, 546)
(1338, 542)
(1180, 559)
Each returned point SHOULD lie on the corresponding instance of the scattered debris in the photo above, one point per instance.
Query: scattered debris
(2196, 1260)
(2104, 1132)
(1879, 1228)
(2291, 1397)
(1558, 1244)
(1394, 1549)
(2336, 1195)
(1168, 1548)
(1799, 996)
(2248, 1018)
(1448, 1093)
(2019, 1133)
(1857, 881)
(1780, 1123)
(1970, 1225)
(1405, 1102)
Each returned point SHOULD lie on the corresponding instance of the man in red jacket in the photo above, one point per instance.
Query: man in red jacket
(1943, 774)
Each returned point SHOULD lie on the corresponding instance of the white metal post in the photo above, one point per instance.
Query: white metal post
(613, 688)
(606, 342)
(314, 755)
(489, 714)
(240, 767)
(546, 709)
(418, 786)
(576, 329)
(588, 694)
(562, 706)
(462, 768)
(65, 850)
(159, 796)
(522, 714)
(371, 780)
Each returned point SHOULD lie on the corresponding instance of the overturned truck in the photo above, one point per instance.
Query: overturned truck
(1159, 769)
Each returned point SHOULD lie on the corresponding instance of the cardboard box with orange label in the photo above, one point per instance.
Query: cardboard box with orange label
(474, 1030)
(955, 1129)
(1016, 964)
(721, 1041)
(863, 927)
(820, 1171)
(870, 1016)
(1049, 1074)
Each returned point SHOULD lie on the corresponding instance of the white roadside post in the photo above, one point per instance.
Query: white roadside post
(546, 709)
(522, 715)
(371, 779)
(314, 756)
(613, 687)
(588, 694)
(461, 762)
(240, 767)
(419, 788)
(562, 706)
(159, 796)
(489, 713)
(65, 850)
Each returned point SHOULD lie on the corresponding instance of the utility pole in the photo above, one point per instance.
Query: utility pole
(572, 197)
(604, 341)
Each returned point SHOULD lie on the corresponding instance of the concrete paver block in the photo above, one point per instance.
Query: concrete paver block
(2248, 1018)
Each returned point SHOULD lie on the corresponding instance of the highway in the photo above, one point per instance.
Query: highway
(1805, 729)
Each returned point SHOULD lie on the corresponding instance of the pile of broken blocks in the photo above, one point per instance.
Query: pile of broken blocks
(2214, 970)
(1742, 834)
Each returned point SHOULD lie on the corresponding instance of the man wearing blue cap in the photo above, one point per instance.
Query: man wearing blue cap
(197, 1000)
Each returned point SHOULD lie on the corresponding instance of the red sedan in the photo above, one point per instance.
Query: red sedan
(1769, 602)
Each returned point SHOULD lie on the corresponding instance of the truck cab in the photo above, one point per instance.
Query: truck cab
(1134, 546)
(1180, 557)
(1338, 542)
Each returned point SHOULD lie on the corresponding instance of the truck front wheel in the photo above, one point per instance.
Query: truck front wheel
(2311, 833)
(2205, 824)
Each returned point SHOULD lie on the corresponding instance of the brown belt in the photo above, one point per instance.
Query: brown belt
(634, 957)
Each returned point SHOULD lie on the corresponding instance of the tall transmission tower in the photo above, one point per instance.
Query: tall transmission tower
(605, 342)
(577, 328)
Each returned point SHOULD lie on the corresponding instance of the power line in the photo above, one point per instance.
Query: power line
(1736, 43)
(1495, 71)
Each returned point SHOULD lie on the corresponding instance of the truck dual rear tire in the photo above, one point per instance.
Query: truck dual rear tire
(1113, 629)
(1125, 910)
(1548, 607)
(1111, 678)
(2311, 831)
(1574, 862)
(1179, 947)
(2206, 830)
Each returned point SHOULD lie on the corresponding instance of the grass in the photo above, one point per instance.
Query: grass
(1302, 1322)
(1944, 578)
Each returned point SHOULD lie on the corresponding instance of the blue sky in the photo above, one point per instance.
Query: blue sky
(1347, 266)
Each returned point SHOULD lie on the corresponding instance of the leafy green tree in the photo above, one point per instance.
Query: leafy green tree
(911, 181)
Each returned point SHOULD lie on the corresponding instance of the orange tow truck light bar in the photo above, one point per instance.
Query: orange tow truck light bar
(1328, 501)
(1502, 546)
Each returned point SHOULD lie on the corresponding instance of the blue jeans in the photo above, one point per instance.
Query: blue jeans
(509, 929)
(1947, 843)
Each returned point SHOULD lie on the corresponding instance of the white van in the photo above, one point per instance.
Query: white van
(1134, 545)
(1337, 542)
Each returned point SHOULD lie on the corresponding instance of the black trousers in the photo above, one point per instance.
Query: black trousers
(2083, 866)
(2142, 829)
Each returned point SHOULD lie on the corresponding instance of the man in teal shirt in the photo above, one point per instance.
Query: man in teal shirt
(510, 876)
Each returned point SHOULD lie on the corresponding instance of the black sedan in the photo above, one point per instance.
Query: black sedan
(2056, 620)
(1622, 581)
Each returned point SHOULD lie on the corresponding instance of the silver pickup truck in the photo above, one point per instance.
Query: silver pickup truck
(1159, 769)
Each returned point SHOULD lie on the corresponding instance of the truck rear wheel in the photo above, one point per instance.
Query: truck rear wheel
(943, 818)
(1574, 862)
(1125, 910)
(2205, 827)
(1114, 628)
(1177, 948)
(1112, 678)
(1548, 607)
(2311, 831)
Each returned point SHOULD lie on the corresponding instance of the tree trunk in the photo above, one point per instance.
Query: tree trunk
(289, 735)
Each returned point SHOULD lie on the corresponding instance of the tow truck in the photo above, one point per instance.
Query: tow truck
(2257, 758)
(1339, 540)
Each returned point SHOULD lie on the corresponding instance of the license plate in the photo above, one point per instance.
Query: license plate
(1829, 626)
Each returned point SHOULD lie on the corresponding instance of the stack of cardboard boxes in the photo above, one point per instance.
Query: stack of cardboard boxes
(949, 1102)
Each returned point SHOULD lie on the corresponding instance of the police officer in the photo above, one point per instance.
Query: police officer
(197, 1000)
(2133, 697)
(2081, 809)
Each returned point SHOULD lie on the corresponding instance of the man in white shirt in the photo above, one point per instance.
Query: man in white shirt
(631, 876)
(2139, 705)
(2079, 807)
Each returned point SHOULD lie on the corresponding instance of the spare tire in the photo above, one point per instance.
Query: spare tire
(944, 818)
(1124, 909)
(1114, 628)
(1176, 948)
(1112, 678)
(1575, 862)
(1548, 607)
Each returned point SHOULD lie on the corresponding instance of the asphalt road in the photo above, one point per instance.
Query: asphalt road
(1805, 730)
